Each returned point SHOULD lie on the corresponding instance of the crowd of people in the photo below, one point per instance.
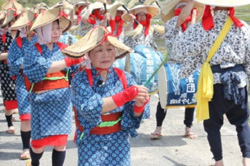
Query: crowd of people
(58, 61)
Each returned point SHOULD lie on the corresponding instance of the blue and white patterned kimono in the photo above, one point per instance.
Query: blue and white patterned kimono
(51, 110)
(103, 150)
(15, 60)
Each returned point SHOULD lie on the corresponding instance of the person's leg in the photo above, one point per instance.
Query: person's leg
(239, 116)
(160, 116)
(58, 155)
(188, 121)
(217, 107)
(36, 155)
(25, 135)
(8, 116)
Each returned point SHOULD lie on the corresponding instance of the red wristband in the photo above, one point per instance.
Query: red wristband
(139, 110)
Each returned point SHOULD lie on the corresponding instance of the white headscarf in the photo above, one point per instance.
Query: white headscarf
(23, 32)
(44, 34)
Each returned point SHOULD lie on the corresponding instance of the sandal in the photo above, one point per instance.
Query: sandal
(28, 163)
(155, 136)
(25, 155)
(190, 135)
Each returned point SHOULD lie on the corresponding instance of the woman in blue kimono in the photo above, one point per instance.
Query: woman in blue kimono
(108, 104)
(47, 70)
(15, 59)
(8, 85)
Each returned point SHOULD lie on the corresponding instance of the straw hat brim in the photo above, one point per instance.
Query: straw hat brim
(224, 3)
(13, 4)
(91, 40)
(167, 15)
(9, 17)
(49, 16)
(2, 15)
(152, 10)
(96, 5)
(23, 20)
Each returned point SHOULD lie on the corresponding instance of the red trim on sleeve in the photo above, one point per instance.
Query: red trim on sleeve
(25, 117)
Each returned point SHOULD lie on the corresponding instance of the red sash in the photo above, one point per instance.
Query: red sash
(110, 117)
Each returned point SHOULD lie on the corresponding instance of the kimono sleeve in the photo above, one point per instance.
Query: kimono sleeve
(189, 43)
(87, 103)
(171, 32)
(247, 38)
(35, 65)
(129, 121)
(15, 58)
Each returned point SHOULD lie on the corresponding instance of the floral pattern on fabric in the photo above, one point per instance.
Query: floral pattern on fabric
(194, 44)
(8, 85)
(141, 39)
(103, 150)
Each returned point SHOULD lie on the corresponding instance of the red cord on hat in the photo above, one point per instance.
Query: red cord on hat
(236, 21)
(91, 19)
(208, 22)
(145, 23)
(112, 24)
(98, 15)
(78, 13)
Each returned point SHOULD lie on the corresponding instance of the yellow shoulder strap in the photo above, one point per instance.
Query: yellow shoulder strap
(205, 84)
(220, 39)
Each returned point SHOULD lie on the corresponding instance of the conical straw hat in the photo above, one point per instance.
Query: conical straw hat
(92, 39)
(25, 19)
(49, 16)
(2, 15)
(168, 7)
(151, 9)
(67, 7)
(12, 4)
(10, 16)
(224, 3)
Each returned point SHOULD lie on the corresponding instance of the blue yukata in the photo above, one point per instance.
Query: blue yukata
(110, 149)
(51, 110)
(15, 59)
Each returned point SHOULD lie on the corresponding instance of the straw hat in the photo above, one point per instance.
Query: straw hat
(67, 7)
(151, 9)
(10, 16)
(2, 15)
(93, 6)
(49, 16)
(12, 4)
(113, 8)
(224, 3)
(168, 7)
(92, 39)
(24, 20)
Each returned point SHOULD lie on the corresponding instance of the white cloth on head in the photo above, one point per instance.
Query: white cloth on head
(44, 34)
(23, 32)
(87, 61)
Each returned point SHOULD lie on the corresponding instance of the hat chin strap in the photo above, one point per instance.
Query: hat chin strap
(208, 22)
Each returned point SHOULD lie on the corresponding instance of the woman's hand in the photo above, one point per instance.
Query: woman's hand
(132, 17)
(142, 96)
